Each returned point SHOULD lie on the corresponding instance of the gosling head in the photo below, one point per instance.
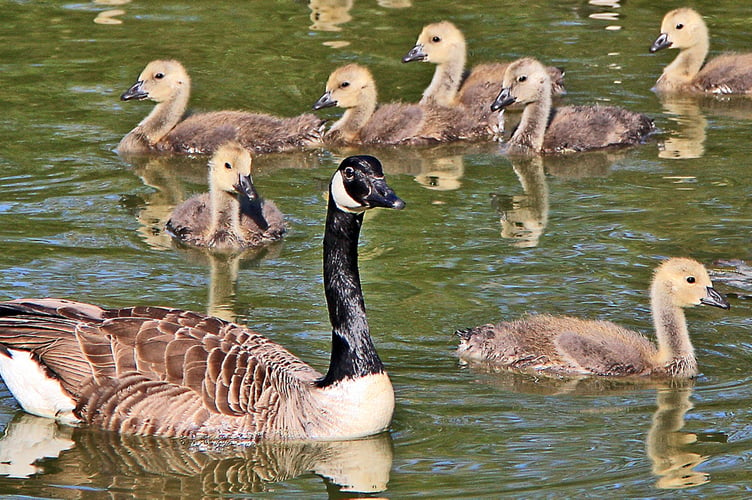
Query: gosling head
(681, 29)
(160, 81)
(359, 184)
(438, 43)
(346, 87)
(686, 283)
(230, 171)
(525, 80)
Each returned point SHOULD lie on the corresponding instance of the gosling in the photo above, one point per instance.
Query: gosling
(231, 216)
(566, 129)
(562, 345)
(164, 130)
(684, 29)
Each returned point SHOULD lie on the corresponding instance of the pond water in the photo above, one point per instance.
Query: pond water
(483, 238)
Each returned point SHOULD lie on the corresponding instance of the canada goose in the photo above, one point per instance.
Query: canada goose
(231, 215)
(167, 83)
(684, 29)
(352, 87)
(444, 44)
(572, 346)
(565, 129)
(163, 371)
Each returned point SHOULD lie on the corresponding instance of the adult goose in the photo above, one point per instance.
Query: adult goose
(166, 82)
(353, 88)
(684, 29)
(543, 129)
(168, 372)
(564, 345)
(443, 44)
(231, 215)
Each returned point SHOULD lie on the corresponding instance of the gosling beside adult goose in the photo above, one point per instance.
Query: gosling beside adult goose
(684, 29)
(444, 44)
(168, 372)
(543, 129)
(353, 88)
(167, 83)
(565, 345)
(231, 215)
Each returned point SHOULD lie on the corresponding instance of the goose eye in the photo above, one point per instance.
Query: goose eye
(679, 26)
(159, 76)
(349, 173)
(521, 78)
(228, 165)
(690, 279)
(344, 84)
(436, 39)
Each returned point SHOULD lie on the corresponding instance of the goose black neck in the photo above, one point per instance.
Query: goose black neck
(353, 352)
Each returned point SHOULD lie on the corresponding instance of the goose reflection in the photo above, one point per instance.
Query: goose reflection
(524, 217)
(328, 15)
(136, 466)
(688, 140)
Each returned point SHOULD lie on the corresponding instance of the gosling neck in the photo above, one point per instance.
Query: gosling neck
(532, 128)
(224, 225)
(685, 67)
(675, 352)
(163, 117)
(446, 81)
(353, 353)
(355, 118)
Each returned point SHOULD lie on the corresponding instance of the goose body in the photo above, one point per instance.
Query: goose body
(168, 372)
(685, 30)
(167, 83)
(566, 345)
(365, 122)
(231, 215)
(543, 129)
(443, 44)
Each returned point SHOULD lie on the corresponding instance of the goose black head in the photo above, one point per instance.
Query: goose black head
(359, 184)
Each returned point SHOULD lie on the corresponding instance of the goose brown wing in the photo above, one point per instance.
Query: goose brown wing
(105, 355)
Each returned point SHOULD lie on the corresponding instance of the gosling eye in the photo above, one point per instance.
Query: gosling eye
(521, 78)
(344, 84)
(436, 39)
(228, 165)
(691, 279)
(349, 173)
(679, 26)
(159, 76)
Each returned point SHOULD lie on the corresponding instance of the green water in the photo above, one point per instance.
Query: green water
(483, 238)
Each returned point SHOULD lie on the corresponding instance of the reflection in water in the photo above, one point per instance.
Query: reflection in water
(110, 16)
(327, 15)
(89, 460)
(524, 217)
(688, 141)
(666, 445)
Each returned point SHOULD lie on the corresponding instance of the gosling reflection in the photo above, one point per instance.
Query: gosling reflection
(667, 446)
(136, 466)
(524, 217)
(328, 15)
(688, 140)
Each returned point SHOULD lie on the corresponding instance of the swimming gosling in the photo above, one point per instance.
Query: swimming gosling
(231, 216)
(353, 88)
(684, 29)
(543, 129)
(563, 345)
(164, 130)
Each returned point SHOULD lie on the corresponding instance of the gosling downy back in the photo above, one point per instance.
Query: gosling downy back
(570, 346)
(167, 83)
(231, 216)
(544, 129)
(174, 373)
(353, 88)
(685, 30)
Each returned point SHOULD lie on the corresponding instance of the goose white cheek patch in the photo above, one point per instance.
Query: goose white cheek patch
(342, 198)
